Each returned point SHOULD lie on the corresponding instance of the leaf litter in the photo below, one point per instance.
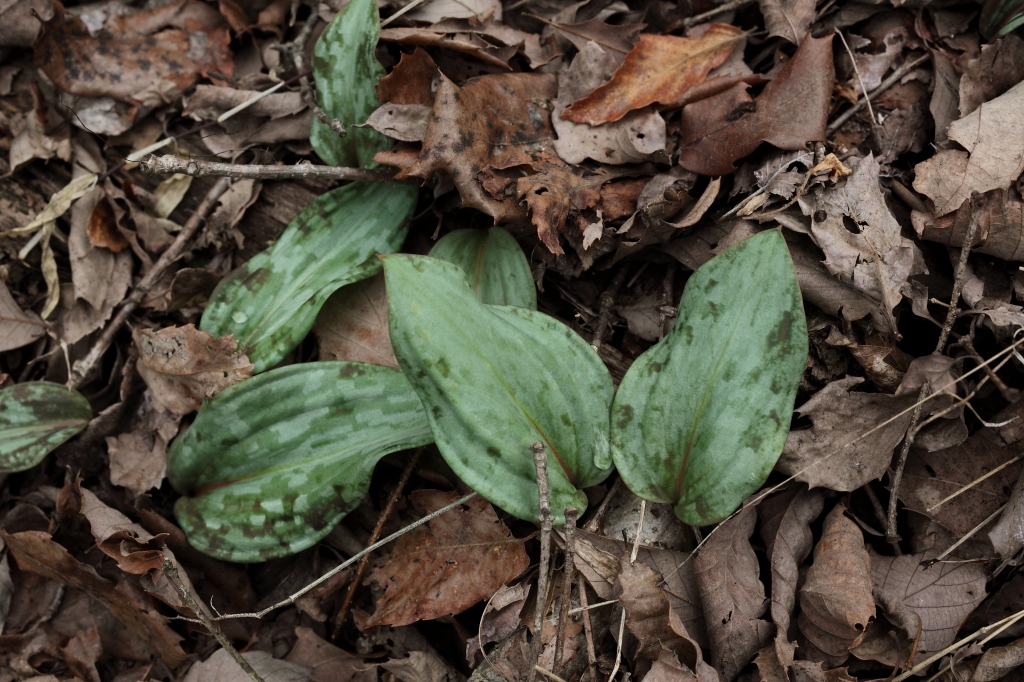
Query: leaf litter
(596, 141)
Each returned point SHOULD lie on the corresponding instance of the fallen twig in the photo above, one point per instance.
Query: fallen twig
(169, 164)
(568, 573)
(885, 85)
(540, 462)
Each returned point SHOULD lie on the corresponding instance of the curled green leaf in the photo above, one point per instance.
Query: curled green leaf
(35, 418)
(272, 464)
(270, 303)
(494, 264)
(701, 418)
(496, 379)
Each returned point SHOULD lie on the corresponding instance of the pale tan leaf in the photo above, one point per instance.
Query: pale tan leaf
(353, 324)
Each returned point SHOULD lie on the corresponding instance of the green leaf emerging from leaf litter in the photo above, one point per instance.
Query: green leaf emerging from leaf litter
(496, 379)
(35, 418)
(1000, 17)
(270, 303)
(701, 418)
(346, 74)
(494, 264)
(272, 464)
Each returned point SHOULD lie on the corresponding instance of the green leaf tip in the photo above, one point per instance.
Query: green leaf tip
(273, 463)
(494, 263)
(346, 73)
(270, 303)
(36, 417)
(701, 417)
(496, 379)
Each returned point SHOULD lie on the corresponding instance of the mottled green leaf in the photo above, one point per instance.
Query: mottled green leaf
(270, 303)
(496, 379)
(272, 464)
(701, 418)
(346, 74)
(1000, 17)
(494, 264)
(35, 418)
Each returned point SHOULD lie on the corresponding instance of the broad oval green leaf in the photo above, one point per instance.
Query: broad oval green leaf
(270, 303)
(272, 464)
(701, 418)
(346, 73)
(35, 418)
(495, 380)
(494, 264)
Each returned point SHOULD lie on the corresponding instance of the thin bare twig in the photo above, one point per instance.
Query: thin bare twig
(588, 633)
(171, 572)
(375, 535)
(84, 367)
(864, 92)
(885, 85)
(568, 574)
(607, 303)
(704, 16)
(169, 164)
(540, 462)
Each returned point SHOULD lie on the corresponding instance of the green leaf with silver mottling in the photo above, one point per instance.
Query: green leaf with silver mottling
(35, 418)
(270, 303)
(272, 464)
(346, 74)
(1000, 17)
(701, 418)
(495, 380)
(494, 264)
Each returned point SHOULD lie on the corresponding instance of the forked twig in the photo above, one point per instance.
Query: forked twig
(540, 462)
(568, 573)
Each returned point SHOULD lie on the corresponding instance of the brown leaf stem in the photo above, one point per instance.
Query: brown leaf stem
(571, 513)
(540, 461)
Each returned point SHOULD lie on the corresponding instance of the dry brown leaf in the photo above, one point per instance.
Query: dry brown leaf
(791, 110)
(207, 102)
(138, 455)
(221, 666)
(1007, 535)
(822, 456)
(998, 68)
(942, 595)
(873, 359)
(789, 19)
(660, 68)
(998, 662)
(993, 135)
(17, 327)
(552, 194)
(36, 552)
(456, 9)
(409, 82)
(447, 566)
(1000, 228)
(618, 38)
(732, 594)
(184, 366)
(836, 600)
(328, 663)
(405, 122)
(353, 324)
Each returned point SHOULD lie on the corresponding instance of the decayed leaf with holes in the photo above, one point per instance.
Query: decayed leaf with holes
(836, 599)
(346, 73)
(552, 194)
(826, 455)
(791, 110)
(942, 595)
(36, 417)
(353, 324)
(184, 366)
(494, 263)
(732, 594)
(993, 135)
(443, 568)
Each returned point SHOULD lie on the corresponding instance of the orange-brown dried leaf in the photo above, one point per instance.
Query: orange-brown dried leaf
(102, 227)
(184, 366)
(658, 69)
(551, 195)
(409, 82)
(790, 111)
(458, 559)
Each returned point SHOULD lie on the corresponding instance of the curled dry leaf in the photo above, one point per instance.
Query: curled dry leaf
(443, 568)
(791, 110)
(733, 595)
(836, 600)
(353, 324)
(789, 19)
(409, 82)
(184, 366)
(999, 228)
(660, 68)
(826, 455)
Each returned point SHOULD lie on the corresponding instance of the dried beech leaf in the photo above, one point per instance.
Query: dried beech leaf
(353, 324)
(409, 81)
(17, 327)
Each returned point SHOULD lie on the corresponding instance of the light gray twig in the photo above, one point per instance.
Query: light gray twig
(168, 164)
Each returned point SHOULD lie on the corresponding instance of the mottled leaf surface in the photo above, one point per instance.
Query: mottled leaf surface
(494, 263)
(701, 418)
(271, 465)
(270, 303)
(346, 74)
(496, 379)
(35, 418)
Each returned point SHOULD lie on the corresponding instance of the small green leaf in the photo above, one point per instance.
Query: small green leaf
(272, 464)
(35, 418)
(496, 379)
(346, 73)
(494, 264)
(701, 418)
(270, 303)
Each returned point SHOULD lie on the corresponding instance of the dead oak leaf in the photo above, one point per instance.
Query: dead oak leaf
(790, 111)
(552, 194)
(184, 366)
(443, 568)
(658, 69)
